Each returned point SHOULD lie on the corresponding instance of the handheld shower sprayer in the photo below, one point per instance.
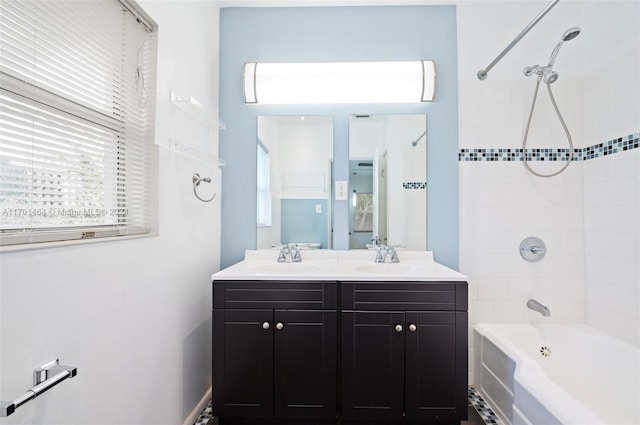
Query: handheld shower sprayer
(569, 34)
(549, 76)
(546, 73)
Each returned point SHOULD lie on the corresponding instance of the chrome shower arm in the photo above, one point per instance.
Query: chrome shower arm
(482, 74)
(415, 142)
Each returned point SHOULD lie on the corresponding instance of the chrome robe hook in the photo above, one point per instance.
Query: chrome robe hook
(196, 180)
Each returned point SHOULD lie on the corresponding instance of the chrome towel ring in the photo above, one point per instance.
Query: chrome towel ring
(196, 179)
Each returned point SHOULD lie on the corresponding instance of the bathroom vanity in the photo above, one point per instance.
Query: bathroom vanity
(338, 338)
(274, 349)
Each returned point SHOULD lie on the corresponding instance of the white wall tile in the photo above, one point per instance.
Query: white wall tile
(611, 196)
(480, 312)
(589, 216)
(509, 312)
(620, 272)
(493, 289)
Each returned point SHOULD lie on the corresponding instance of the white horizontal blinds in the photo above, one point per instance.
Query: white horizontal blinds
(73, 48)
(131, 169)
(76, 119)
(53, 166)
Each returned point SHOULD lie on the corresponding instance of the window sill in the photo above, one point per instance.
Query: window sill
(60, 244)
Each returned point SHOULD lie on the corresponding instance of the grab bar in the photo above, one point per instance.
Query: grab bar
(45, 377)
(482, 74)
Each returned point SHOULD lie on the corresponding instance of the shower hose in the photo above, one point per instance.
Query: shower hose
(526, 133)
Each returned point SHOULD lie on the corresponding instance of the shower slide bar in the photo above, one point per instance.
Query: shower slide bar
(45, 377)
(482, 74)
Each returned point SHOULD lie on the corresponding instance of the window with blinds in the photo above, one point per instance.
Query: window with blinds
(77, 157)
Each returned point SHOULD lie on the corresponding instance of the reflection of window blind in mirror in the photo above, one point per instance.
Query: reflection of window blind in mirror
(304, 185)
(263, 187)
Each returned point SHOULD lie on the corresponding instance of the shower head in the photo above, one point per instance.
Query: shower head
(569, 34)
(547, 73)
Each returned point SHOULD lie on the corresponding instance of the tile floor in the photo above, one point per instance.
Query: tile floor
(479, 412)
(206, 417)
(482, 408)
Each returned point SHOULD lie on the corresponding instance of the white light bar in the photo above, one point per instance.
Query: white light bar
(339, 82)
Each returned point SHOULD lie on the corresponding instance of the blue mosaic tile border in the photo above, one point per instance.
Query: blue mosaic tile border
(610, 147)
(414, 185)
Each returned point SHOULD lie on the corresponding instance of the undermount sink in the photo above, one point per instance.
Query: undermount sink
(389, 269)
(279, 269)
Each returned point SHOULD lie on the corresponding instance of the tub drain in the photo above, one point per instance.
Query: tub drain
(545, 351)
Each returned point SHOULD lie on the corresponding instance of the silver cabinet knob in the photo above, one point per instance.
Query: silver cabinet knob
(265, 325)
(398, 328)
(412, 327)
(279, 326)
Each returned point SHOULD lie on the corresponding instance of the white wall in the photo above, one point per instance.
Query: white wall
(133, 316)
(306, 151)
(589, 215)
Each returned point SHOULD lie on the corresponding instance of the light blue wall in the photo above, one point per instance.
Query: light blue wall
(333, 34)
(301, 223)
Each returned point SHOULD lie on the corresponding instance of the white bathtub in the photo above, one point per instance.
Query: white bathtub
(557, 374)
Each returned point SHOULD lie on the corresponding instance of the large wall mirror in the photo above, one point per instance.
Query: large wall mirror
(388, 181)
(294, 160)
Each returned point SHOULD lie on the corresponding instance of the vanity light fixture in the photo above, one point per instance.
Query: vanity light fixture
(339, 82)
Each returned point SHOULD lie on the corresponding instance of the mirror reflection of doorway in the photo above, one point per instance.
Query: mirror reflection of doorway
(388, 158)
(361, 205)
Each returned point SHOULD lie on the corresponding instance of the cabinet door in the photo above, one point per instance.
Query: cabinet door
(242, 363)
(372, 365)
(305, 364)
(432, 367)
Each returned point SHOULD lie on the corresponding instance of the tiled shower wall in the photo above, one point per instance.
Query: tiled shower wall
(589, 216)
(612, 200)
(501, 204)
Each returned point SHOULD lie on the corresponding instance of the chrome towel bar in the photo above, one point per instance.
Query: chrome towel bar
(45, 377)
(196, 180)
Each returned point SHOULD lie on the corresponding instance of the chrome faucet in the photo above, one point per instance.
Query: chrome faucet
(284, 253)
(536, 306)
(295, 254)
(383, 251)
(289, 254)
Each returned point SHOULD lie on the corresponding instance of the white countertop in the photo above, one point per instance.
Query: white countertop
(353, 265)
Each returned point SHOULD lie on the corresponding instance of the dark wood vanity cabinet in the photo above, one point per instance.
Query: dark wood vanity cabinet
(274, 350)
(381, 352)
(404, 351)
